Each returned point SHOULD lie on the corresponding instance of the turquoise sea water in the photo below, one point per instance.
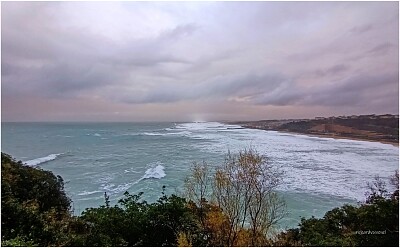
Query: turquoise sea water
(93, 158)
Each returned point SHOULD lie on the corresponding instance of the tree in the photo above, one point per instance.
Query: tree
(243, 188)
(197, 189)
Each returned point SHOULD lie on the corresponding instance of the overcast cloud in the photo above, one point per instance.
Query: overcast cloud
(184, 61)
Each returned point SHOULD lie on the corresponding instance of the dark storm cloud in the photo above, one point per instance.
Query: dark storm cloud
(63, 80)
(151, 52)
(356, 91)
(255, 54)
(223, 87)
(350, 92)
(44, 60)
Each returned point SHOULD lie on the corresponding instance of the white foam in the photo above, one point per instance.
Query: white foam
(108, 186)
(42, 160)
(131, 170)
(155, 172)
(89, 192)
(209, 126)
(184, 133)
(97, 135)
(180, 133)
(337, 167)
(153, 134)
(112, 189)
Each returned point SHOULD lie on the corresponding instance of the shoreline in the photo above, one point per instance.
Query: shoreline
(341, 137)
(333, 136)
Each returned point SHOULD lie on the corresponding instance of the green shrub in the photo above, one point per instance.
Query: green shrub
(31, 199)
(137, 223)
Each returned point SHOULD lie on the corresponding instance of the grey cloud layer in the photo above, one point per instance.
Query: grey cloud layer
(264, 53)
(350, 92)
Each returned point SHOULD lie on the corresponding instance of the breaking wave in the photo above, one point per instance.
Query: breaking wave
(155, 172)
(42, 160)
(89, 192)
(182, 133)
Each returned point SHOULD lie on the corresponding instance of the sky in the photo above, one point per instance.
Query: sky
(197, 61)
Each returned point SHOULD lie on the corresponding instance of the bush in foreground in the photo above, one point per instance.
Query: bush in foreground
(137, 223)
(31, 199)
(373, 223)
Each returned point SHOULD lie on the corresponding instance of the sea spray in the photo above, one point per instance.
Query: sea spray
(155, 172)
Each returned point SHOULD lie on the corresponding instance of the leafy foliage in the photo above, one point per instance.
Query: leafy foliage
(137, 223)
(17, 242)
(31, 198)
(373, 223)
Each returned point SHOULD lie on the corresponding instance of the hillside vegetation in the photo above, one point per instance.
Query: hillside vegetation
(383, 128)
(233, 205)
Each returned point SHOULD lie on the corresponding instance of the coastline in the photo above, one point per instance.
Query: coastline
(333, 136)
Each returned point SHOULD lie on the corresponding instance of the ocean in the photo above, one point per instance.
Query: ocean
(93, 158)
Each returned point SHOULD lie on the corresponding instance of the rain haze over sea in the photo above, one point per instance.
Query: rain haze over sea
(93, 158)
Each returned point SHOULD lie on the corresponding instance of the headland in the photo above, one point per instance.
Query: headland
(378, 128)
